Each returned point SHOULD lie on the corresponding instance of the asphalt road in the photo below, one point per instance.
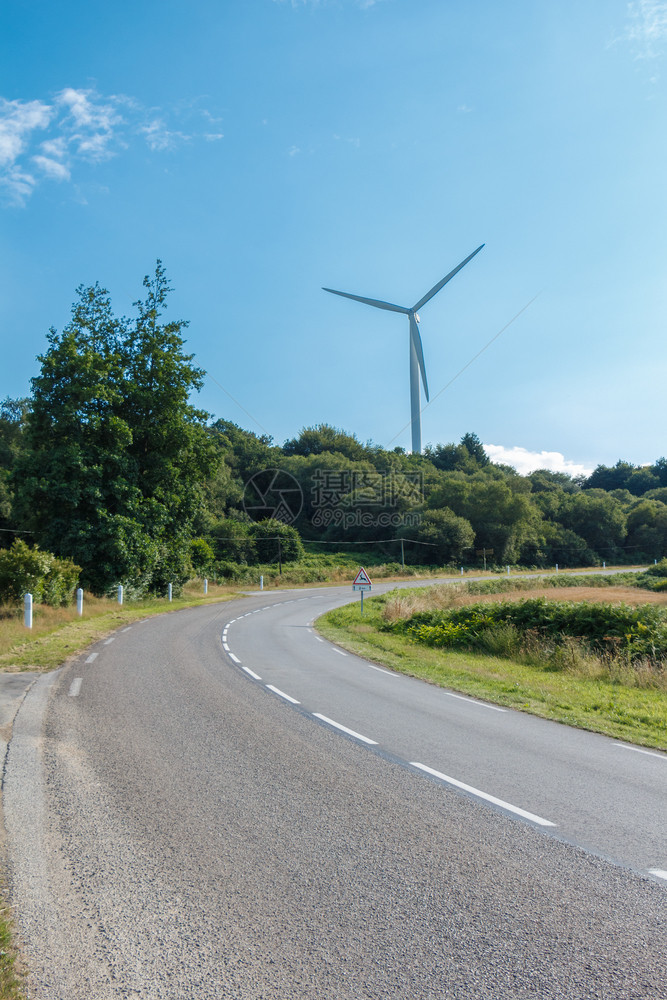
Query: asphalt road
(190, 820)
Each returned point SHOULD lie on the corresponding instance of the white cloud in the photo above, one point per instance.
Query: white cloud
(159, 137)
(293, 151)
(18, 119)
(17, 185)
(648, 26)
(82, 125)
(351, 140)
(52, 168)
(525, 461)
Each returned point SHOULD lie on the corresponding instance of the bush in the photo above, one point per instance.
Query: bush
(635, 632)
(30, 570)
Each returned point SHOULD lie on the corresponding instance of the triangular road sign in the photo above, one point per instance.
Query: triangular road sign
(361, 579)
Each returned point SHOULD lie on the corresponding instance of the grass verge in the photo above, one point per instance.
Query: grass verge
(11, 972)
(633, 714)
(59, 634)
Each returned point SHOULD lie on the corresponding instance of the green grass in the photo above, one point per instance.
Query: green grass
(58, 634)
(12, 973)
(615, 707)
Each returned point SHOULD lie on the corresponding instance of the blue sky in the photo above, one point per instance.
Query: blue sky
(265, 148)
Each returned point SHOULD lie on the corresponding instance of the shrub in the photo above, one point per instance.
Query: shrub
(30, 570)
(635, 632)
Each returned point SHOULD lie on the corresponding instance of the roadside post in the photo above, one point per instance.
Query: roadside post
(79, 602)
(169, 591)
(361, 583)
(120, 593)
(27, 610)
(205, 585)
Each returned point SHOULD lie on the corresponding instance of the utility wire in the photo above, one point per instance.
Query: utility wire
(208, 375)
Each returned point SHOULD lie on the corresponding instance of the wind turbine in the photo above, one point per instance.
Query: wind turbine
(416, 352)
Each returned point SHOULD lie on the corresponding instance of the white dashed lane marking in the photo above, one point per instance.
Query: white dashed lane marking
(344, 729)
(649, 753)
(75, 687)
(483, 795)
(282, 694)
(473, 701)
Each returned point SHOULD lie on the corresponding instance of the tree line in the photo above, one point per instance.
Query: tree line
(109, 465)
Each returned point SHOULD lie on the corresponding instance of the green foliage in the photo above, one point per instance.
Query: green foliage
(441, 537)
(25, 569)
(468, 456)
(324, 438)
(637, 632)
(202, 555)
(116, 459)
(272, 540)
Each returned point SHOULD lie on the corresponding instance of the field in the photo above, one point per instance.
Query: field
(603, 695)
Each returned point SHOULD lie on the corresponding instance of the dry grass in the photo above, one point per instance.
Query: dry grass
(446, 596)
(58, 633)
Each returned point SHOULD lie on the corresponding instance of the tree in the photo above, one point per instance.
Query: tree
(606, 477)
(647, 530)
(442, 538)
(275, 541)
(597, 518)
(324, 438)
(116, 457)
(13, 415)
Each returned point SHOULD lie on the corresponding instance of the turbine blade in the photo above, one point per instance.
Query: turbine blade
(441, 284)
(417, 341)
(370, 302)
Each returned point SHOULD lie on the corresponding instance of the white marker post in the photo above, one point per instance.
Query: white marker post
(170, 590)
(79, 602)
(120, 593)
(361, 583)
(27, 610)
(205, 585)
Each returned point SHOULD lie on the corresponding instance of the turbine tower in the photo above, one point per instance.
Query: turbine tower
(416, 352)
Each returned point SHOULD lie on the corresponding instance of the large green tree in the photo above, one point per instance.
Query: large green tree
(117, 456)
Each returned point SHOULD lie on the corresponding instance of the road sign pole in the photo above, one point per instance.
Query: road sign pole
(362, 601)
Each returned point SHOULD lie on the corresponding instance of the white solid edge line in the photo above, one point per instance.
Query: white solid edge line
(234, 658)
(93, 656)
(350, 732)
(252, 673)
(659, 872)
(473, 701)
(648, 753)
(75, 687)
(483, 795)
(282, 694)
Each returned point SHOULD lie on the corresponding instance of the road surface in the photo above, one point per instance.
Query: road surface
(217, 803)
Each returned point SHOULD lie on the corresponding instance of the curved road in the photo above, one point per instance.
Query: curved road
(218, 803)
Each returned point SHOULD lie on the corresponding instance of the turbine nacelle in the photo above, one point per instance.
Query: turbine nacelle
(416, 350)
